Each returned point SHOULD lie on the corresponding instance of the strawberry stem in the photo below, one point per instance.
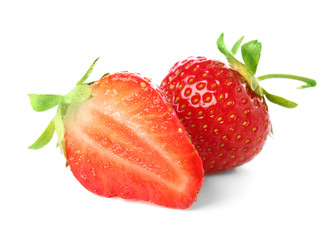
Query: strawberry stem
(239, 66)
(43, 102)
(251, 55)
(309, 82)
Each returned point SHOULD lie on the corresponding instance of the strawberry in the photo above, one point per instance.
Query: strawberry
(223, 107)
(121, 138)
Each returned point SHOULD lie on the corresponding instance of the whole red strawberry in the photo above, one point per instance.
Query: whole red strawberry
(121, 138)
(223, 107)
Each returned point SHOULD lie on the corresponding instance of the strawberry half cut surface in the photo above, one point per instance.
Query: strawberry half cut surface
(222, 106)
(123, 139)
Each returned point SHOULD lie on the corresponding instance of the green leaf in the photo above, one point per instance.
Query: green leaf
(251, 54)
(279, 100)
(45, 138)
(78, 94)
(59, 125)
(236, 46)
(43, 102)
(222, 48)
(87, 74)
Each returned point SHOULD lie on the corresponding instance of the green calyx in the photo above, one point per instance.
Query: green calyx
(42, 102)
(251, 52)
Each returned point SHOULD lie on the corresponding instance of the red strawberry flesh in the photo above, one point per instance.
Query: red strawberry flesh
(126, 141)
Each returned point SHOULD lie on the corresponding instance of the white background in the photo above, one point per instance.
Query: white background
(286, 192)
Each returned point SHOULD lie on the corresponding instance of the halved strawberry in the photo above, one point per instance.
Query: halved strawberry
(124, 140)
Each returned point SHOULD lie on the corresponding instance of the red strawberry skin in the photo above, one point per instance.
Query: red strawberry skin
(228, 123)
(126, 141)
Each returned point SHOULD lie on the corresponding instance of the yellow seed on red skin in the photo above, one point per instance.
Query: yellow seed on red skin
(180, 130)
(219, 119)
(142, 84)
(229, 103)
(220, 154)
(200, 86)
